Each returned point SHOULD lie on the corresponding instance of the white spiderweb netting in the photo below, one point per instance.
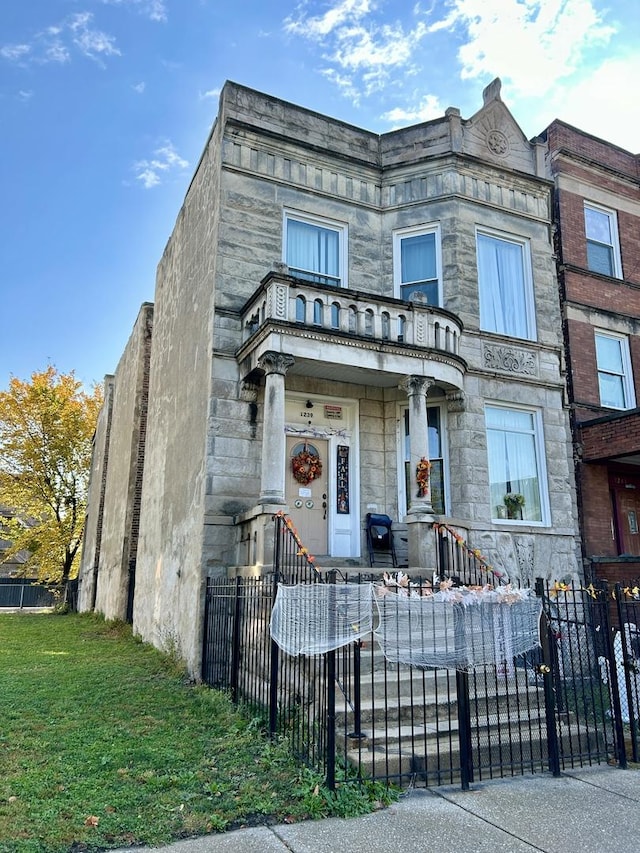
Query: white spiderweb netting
(451, 629)
(310, 619)
(457, 629)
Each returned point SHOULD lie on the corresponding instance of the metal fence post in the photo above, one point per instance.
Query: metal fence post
(548, 670)
(275, 661)
(615, 684)
(630, 670)
(235, 642)
(330, 659)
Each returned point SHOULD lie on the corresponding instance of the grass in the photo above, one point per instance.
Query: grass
(104, 743)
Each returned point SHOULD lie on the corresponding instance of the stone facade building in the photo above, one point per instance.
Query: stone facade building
(352, 302)
(597, 209)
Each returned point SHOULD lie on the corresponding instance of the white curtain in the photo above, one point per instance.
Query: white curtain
(312, 248)
(513, 463)
(503, 303)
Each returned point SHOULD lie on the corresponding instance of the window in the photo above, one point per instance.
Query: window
(416, 253)
(506, 286)
(436, 457)
(603, 248)
(516, 462)
(318, 312)
(301, 308)
(614, 371)
(314, 250)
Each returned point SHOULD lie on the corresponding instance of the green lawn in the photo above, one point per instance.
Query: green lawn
(104, 743)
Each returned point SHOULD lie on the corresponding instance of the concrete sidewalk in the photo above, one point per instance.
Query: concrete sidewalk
(590, 810)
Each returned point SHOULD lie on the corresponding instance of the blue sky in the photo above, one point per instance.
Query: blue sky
(105, 107)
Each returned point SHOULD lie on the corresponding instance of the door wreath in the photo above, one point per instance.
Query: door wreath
(306, 466)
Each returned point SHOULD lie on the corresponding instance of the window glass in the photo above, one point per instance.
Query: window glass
(514, 467)
(602, 240)
(313, 251)
(418, 268)
(614, 371)
(505, 287)
(436, 457)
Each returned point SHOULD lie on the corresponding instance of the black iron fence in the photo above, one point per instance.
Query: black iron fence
(353, 713)
(24, 592)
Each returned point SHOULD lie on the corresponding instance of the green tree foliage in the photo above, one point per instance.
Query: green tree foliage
(46, 432)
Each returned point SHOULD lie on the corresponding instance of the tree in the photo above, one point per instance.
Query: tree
(46, 436)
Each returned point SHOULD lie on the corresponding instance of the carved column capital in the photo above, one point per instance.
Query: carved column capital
(275, 362)
(413, 385)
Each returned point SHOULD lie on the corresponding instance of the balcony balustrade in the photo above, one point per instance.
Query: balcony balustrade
(337, 311)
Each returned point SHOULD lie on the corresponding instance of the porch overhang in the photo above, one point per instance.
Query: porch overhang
(362, 348)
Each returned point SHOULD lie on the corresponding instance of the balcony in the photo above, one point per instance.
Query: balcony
(349, 335)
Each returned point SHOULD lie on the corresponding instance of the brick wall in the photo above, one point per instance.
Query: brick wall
(596, 510)
(613, 436)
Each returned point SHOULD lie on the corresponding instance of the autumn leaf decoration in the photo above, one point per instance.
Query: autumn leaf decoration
(422, 477)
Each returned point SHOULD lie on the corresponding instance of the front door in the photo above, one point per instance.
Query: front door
(628, 517)
(307, 491)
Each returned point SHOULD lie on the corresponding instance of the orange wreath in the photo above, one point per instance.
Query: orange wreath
(306, 466)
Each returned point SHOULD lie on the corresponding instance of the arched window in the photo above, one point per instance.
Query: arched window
(335, 315)
(318, 311)
(386, 326)
(301, 309)
(353, 319)
(402, 323)
(368, 322)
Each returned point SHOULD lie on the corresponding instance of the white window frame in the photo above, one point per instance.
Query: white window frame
(527, 278)
(415, 231)
(627, 373)
(444, 446)
(613, 229)
(340, 228)
(541, 464)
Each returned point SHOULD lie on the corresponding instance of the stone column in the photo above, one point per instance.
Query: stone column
(420, 518)
(275, 366)
(416, 388)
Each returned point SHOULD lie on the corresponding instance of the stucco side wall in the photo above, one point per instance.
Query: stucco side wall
(129, 405)
(169, 574)
(95, 502)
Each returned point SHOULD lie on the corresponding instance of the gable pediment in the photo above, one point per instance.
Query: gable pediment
(493, 134)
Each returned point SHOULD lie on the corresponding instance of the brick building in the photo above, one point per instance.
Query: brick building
(597, 212)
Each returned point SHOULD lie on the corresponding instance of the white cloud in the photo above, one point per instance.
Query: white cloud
(532, 44)
(155, 10)
(342, 12)
(139, 87)
(15, 52)
(25, 94)
(600, 102)
(165, 159)
(210, 94)
(427, 108)
(89, 41)
(58, 42)
(361, 49)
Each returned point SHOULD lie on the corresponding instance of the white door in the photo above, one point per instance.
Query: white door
(307, 491)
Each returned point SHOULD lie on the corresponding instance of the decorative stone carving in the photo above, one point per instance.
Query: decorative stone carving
(249, 391)
(525, 558)
(456, 401)
(276, 362)
(416, 385)
(497, 143)
(510, 359)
